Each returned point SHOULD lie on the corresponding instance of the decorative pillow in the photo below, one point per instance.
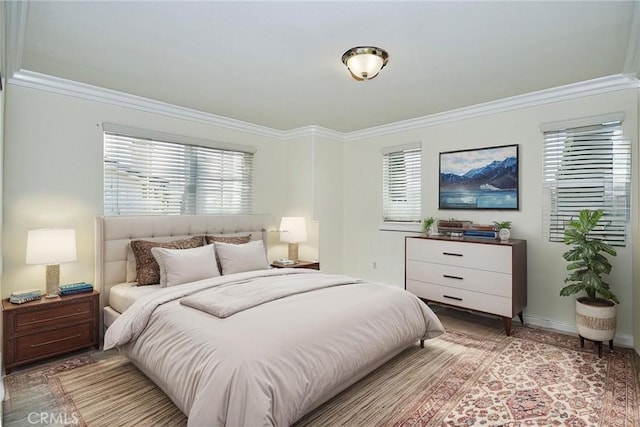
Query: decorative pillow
(236, 240)
(178, 266)
(131, 264)
(147, 269)
(245, 257)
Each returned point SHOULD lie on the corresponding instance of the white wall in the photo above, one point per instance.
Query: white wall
(53, 178)
(365, 246)
(53, 173)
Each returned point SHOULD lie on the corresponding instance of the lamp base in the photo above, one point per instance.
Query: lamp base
(51, 296)
(293, 252)
(53, 280)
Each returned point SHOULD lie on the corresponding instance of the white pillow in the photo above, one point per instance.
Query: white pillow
(178, 266)
(244, 257)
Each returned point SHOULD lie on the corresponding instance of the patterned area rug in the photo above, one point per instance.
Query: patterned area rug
(531, 378)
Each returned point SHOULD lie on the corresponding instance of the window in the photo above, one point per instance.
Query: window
(150, 173)
(588, 167)
(401, 183)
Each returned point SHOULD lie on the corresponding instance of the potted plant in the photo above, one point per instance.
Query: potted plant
(428, 225)
(595, 312)
(504, 229)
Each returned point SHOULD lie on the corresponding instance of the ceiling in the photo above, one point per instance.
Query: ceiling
(277, 64)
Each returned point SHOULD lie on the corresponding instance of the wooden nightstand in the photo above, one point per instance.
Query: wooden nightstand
(47, 327)
(301, 264)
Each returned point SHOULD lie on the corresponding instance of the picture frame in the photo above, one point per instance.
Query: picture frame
(480, 179)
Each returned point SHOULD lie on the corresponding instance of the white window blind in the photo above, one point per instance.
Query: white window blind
(402, 183)
(588, 167)
(144, 175)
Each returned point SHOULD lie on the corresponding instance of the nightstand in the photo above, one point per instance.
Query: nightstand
(49, 326)
(300, 264)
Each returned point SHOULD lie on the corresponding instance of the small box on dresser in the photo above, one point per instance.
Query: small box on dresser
(483, 275)
(48, 327)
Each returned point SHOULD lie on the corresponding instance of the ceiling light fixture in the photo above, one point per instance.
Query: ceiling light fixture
(365, 62)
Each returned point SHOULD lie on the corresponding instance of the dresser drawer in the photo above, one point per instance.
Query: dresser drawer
(462, 298)
(481, 256)
(53, 315)
(54, 341)
(488, 282)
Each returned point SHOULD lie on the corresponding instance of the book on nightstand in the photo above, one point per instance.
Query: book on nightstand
(20, 297)
(75, 288)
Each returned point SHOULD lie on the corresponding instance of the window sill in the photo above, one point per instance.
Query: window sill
(406, 227)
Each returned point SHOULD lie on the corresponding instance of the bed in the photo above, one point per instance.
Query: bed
(256, 347)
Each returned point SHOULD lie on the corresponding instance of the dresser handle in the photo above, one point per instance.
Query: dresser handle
(455, 298)
(49, 319)
(451, 254)
(55, 341)
(452, 277)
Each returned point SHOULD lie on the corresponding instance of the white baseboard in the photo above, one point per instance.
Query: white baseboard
(623, 340)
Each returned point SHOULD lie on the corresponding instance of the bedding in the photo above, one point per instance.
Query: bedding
(238, 258)
(178, 266)
(281, 354)
(123, 295)
(147, 269)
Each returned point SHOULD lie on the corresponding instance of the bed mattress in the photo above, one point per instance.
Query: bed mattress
(123, 295)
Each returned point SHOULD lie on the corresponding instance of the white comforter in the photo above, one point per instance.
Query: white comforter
(269, 364)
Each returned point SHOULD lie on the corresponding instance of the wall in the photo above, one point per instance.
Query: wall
(636, 245)
(53, 173)
(379, 255)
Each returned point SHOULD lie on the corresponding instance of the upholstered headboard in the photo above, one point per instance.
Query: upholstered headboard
(113, 234)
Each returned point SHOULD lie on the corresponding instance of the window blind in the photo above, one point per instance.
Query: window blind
(144, 176)
(402, 183)
(588, 167)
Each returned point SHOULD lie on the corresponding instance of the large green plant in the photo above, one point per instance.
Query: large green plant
(587, 262)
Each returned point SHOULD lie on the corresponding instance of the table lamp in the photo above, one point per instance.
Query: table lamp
(51, 246)
(293, 230)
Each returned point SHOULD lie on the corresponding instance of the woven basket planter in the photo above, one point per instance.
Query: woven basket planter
(596, 321)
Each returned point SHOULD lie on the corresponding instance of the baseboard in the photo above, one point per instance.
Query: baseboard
(623, 340)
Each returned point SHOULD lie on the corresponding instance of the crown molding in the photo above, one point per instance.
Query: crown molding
(16, 25)
(632, 60)
(61, 86)
(45, 82)
(313, 130)
(561, 93)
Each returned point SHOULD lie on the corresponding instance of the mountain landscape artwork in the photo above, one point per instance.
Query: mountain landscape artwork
(485, 178)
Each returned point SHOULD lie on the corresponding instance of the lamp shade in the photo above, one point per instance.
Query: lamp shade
(293, 229)
(51, 245)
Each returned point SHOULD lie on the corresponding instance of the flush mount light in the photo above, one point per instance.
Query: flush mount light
(365, 62)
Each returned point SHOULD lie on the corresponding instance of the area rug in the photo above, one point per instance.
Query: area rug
(531, 378)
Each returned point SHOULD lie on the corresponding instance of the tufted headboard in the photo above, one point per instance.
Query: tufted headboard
(113, 234)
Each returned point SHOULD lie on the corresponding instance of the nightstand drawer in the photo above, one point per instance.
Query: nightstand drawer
(54, 342)
(51, 316)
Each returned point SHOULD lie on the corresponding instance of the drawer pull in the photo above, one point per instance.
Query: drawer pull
(34, 322)
(452, 277)
(451, 254)
(55, 341)
(455, 298)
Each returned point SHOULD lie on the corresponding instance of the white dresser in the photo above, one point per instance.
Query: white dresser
(484, 275)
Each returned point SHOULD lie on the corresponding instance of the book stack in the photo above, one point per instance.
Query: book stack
(75, 288)
(25, 296)
(480, 233)
(479, 230)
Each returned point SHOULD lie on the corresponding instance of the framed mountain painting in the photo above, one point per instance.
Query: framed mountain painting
(482, 178)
